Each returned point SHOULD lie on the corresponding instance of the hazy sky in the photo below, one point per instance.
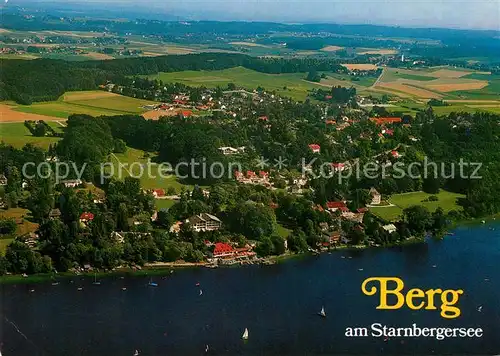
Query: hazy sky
(483, 14)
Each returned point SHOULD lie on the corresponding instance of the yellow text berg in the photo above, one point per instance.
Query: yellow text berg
(415, 298)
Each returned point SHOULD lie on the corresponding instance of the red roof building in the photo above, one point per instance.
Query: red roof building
(389, 132)
(395, 154)
(86, 216)
(250, 174)
(335, 205)
(362, 210)
(328, 97)
(330, 122)
(385, 120)
(180, 102)
(338, 166)
(263, 118)
(157, 193)
(186, 113)
(263, 174)
(238, 174)
(315, 147)
(222, 249)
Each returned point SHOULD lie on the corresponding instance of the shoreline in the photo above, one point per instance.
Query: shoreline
(166, 268)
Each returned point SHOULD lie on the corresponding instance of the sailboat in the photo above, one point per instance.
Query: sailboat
(206, 348)
(245, 334)
(136, 353)
(201, 292)
(96, 282)
(322, 312)
(152, 284)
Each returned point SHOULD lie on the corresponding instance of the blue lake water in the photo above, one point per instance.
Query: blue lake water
(278, 304)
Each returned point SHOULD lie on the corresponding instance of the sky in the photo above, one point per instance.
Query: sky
(474, 14)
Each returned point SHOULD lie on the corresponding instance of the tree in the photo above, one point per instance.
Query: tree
(313, 76)
(7, 226)
(418, 219)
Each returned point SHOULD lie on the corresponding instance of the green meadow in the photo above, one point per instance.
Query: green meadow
(17, 135)
(447, 201)
(95, 103)
(291, 84)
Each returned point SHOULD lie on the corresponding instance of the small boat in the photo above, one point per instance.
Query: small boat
(360, 269)
(322, 312)
(245, 334)
(480, 308)
(96, 282)
(152, 284)
(136, 353)
(201, 292)
(124, 288)
(32, 290)
(80, 288)
(206, 348)
(483, 222)
(55, 283)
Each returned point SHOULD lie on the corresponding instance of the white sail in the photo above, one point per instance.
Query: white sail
(201, 292)
(322, 312)
(245, 334)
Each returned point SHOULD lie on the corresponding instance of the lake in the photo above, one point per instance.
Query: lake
(278, 304)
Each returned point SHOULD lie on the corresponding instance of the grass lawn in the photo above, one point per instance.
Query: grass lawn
(447, 201)
(3, 245)
(132, 160)
(17, 135)
(282, 231)
(296, 87)
(164, 203)
(20, 213)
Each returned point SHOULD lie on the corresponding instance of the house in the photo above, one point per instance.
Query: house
(335, 205)
(388, 132)
(330, 122)
(71, 183)
(228, 254)
(315, 148)
(204, 222)
(55, 214)
(263, 175)
(263, 118)
(86, 217)
(158, 193)
(376, 197)
(385, 120)
(332, 237)
(227, 151)
(3, 179)
(337, 167)
(176, 227)
(395, 154)
(390, 228)
(222, 249)
(186, 113)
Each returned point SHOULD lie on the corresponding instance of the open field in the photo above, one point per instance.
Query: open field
(249, 44)
(95, 103)
(98, 56)
(9, 113)
(365, 66)
(296, 87)
(21, 215)
(17, 135)
(440, 83)
(331, 48)
(383, 52)
(447, 201)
